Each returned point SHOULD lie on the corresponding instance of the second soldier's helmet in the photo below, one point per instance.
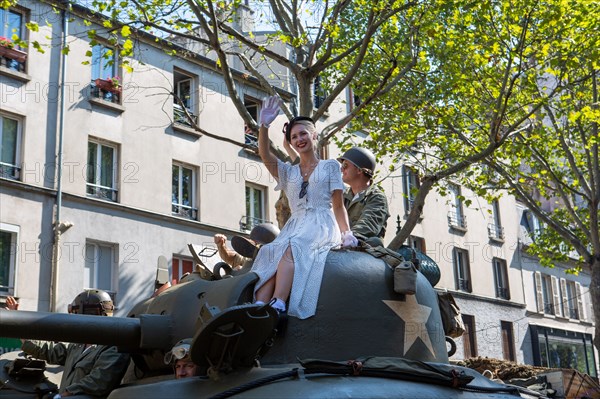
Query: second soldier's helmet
(181, 350)
(361, 158)
(92, 302)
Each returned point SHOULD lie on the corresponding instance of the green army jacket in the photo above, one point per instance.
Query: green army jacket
(368, 214)
(94, 372)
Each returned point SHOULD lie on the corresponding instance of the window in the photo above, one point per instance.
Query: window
(100, 262)
(255, 207)
(8, 255)
(469, 338)
(495, 229)
(410, 185)
(558, 348)
(547, 294)
(184, 100)
(319, 94)
(180, 266)
(508, 341)
(531, 223)
(102, 171)
(501, 278)
(106, 82)
(417, 243)
(462, 274)
(12, 25)
(572, 300)
(183, 192)
(253, 107)
(10, 148)
(456, 217)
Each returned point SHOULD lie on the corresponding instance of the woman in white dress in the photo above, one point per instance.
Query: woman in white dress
(292, 265)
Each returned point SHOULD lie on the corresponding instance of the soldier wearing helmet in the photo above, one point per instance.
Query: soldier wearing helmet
(366, 204)
(179, 357)
(93, 370)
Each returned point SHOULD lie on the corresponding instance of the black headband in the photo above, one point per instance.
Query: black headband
(287, 127)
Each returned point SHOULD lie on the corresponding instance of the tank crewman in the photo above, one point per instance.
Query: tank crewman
(179, 358)
(88, 369)
(228, 255)
(366, 204)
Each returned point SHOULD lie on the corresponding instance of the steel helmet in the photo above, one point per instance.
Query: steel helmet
(261, 234)
(361, 158)
(94, 302)
(180, 351)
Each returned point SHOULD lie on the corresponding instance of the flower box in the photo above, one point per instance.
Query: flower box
(13, 54)
(107, 85)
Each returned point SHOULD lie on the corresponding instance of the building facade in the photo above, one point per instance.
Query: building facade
(101, 174)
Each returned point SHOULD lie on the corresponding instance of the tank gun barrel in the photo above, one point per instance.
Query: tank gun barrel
(146, 331)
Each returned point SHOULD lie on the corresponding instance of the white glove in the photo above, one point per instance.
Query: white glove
(348, 239)
(269, 111)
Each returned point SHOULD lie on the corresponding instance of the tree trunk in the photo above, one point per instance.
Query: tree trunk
(595, 295)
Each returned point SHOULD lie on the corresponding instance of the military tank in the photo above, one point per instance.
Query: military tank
(366, 340)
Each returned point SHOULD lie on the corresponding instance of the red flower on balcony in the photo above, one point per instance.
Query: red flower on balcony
(8, 50)
(112, 85)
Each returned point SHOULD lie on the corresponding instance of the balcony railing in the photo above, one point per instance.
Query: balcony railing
(184, 211)
(104, 89)
(548, 308)
(495, 232)
(102, 192)
(464, 285)
(573, 313)
(9, 171)
(502, 292)
(248, 222)
(251, 139)
(457, 221)
(180, 117)
(13, 58)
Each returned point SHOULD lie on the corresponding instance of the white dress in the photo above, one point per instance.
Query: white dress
(311, 232)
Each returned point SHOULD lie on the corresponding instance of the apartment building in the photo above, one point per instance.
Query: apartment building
(137, 182)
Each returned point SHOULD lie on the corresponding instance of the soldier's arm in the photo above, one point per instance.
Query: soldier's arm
(105, 376)
(53, 353)
(373, 217)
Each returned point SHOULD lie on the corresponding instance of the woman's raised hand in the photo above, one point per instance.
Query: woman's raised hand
(270, 110)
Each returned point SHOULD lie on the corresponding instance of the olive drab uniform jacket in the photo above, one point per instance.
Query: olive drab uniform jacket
(95, 371)
(367, 214)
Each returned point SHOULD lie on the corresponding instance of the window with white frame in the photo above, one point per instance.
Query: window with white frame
(12, 26)
(8, 255)
(547, 294)
(106, 80)
(462, 272)
(180, 266)
(572, 300)
(255, 207)
(495, 229)
(410, 186)
(184, 102)
(10, 147)
(501, 278)
(456, 217)
(100, 267)
(531, 223)
(183, 192)
(102, 170)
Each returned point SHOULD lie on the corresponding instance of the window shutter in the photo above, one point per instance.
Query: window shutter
(565, 298)
(538, 291)
(555, 295)
(580, 302)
